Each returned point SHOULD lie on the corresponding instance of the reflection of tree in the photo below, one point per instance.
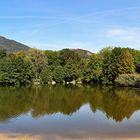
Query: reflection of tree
(58, 99)
(115, 103)
(14, 102)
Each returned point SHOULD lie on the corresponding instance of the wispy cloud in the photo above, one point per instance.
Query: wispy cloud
(87, 25)
(71, 18)
(30, 17)
(127, 35)
(123, 34)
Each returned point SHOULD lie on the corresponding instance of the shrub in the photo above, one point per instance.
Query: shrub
(132, 80)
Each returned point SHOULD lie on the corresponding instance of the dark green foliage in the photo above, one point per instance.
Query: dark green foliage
(15, 71)
(58, 74)
(53, 57)
(71, 72)
(118, 61)
(136, 55)
(2, 53)
(46, 75)
(67, 55)
(107, 66)
(93, 69)
(65, 65)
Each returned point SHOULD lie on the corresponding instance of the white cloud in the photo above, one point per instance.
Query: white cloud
(129, 36)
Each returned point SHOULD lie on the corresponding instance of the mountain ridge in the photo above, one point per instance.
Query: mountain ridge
(12, 46)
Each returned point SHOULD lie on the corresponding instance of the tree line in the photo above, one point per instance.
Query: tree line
(111, 66)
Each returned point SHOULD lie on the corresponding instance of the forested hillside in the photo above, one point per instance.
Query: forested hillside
(11, 45)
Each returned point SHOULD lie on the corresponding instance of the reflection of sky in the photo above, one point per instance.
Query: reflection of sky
(80, 124)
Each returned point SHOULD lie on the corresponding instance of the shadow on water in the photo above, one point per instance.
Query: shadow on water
(117, 104)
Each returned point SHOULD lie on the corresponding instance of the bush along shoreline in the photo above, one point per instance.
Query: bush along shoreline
(128, 80)
(111, 66)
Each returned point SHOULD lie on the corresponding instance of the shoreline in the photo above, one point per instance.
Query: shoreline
(14, 136)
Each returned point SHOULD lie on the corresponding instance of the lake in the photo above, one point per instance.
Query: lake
(70, 111)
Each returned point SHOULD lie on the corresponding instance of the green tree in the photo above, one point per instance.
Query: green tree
(71, 72)
(46, 75)
(93, 69)
(67, 55)
(15, 70)
(125, 62)
(39, 61)
(53, 57)
(136, 55)
(58, 74)
(119, 61)
(106, 76)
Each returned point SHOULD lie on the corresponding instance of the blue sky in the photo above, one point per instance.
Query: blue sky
(86, 24)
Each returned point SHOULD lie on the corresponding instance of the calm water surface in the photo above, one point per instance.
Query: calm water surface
(70, 112)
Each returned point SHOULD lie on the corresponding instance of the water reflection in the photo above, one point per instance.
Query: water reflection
(116, 104)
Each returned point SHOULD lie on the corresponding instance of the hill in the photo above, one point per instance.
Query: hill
(82, 53)
(11, 45)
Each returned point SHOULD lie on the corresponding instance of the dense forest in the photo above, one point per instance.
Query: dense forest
(111, 66)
